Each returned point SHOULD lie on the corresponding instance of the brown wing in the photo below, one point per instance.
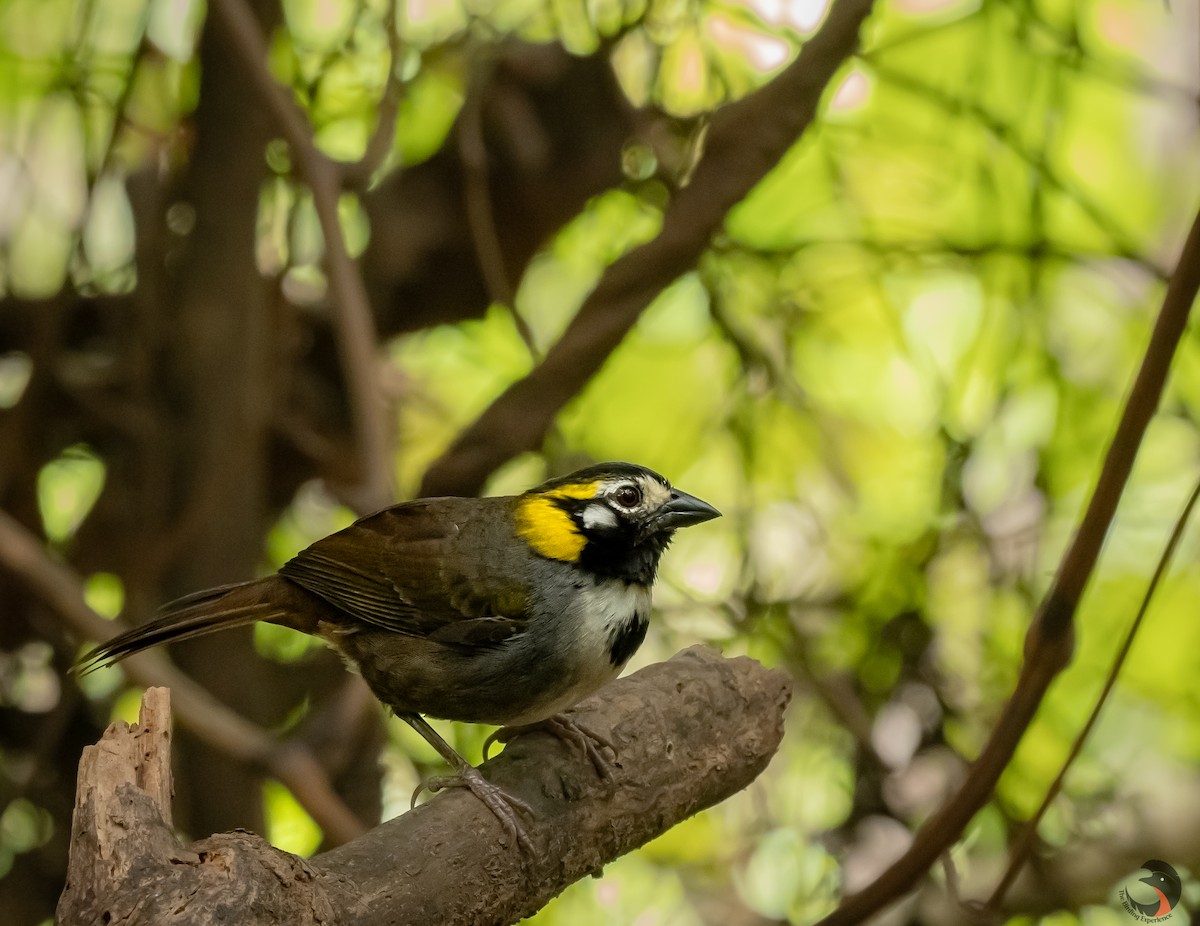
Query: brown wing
(417, 569)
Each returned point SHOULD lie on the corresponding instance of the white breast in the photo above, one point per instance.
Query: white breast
(605, 609)
(602, 613)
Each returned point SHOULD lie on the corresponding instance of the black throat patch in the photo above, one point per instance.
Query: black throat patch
(623, 555)
(623, 641)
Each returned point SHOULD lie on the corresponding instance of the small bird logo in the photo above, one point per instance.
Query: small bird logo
(1164, 881)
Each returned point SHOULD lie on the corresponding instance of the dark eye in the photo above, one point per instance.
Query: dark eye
(628, 496)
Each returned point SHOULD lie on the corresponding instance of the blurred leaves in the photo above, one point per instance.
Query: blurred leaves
(67, 489)
(895, 372)
(288, 826)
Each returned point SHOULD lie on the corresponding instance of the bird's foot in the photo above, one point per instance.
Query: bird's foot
(569, 730)
(504, 805)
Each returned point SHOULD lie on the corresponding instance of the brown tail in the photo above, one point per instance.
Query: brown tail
(192, 616)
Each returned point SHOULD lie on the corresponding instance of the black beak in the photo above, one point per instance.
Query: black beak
(682, 510)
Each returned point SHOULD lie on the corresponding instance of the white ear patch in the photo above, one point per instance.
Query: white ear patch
(597, 516)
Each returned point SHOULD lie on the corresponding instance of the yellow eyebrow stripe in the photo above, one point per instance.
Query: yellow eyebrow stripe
(579, 490)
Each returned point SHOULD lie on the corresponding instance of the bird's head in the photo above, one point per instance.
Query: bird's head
(612, 519)
(1163, 878)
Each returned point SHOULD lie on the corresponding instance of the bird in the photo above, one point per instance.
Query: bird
(1164, 881)
(504, 610)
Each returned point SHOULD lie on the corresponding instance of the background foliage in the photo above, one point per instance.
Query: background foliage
(895, 370)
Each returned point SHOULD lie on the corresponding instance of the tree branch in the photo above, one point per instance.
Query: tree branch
(1022, 847)
(353, 321)
(690, 732)
(746, 140)
(202, 714)
(1050, 642)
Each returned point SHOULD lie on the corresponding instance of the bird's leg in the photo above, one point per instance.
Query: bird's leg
(495, 798)
(569, 730)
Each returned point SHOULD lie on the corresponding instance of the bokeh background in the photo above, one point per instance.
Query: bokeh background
(895, 369)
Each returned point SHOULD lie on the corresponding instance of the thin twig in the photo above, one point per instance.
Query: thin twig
(481, 217)
(1020, 850)
(206, 717)
(760, 354)
(1036, 249)
(358, 174)
(119, 107)
(1050, 641)
(353, 321)
(957, 106)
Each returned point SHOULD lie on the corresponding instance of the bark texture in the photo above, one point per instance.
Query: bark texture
(690, 732)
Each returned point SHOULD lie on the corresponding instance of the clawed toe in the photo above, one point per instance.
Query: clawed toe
(586, 739)
(433, 784)
(569, 730)
(502, 735)
(502, 804)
